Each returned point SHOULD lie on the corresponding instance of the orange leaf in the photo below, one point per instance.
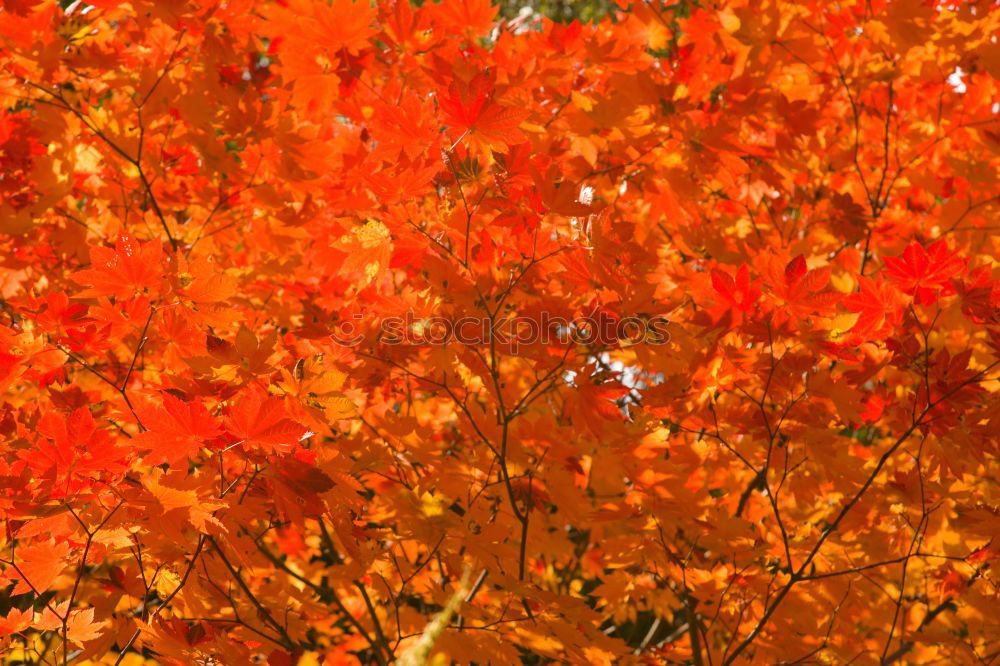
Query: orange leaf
(129, 269)
(39, 564)
(259, 420)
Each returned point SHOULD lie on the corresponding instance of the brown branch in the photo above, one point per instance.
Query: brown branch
(325, 594)
(170, 597)
(798, 575)
(134, 161)
(265, 613)
(381, 643)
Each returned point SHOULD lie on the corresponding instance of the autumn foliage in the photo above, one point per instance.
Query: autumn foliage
(280, 382)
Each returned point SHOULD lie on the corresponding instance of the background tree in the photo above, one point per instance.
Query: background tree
(560, 10)
(279, 369)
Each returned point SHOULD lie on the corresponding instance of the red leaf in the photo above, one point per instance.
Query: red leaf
(176, 431)
(924, 273)
(131, 268)
(739, 293)
(795, 269)
(259, 420)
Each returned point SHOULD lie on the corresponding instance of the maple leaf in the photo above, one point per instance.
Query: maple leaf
(129, 269)
(38, 566)
(406, 128)
(982, 554)
(115, 320)
(368, 248)
(318, 389)
(80, 626)
(260, 421)
(346, 24)
(300, 484)
(177, 499)
(925, 273)
(245, 358)
(531, 490)
(738, 292)
(404, 25)
(597, 403)
(176, 430)
(317, 85)
(874, 406)
(20, 7)
(50, 618)
(740, 297)
(201, 282)
(800, 289)
(57, 311)
(76, 447)
(561, 197)
(15, 621)
(338, 30)
(399, 185)
(878, 305)
(472, 17)
(980, 294)
(470, 106)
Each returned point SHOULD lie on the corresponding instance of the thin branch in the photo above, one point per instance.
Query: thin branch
(170, 597)
(265, 613)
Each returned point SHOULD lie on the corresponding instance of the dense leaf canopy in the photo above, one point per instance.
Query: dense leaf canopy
(362, 332)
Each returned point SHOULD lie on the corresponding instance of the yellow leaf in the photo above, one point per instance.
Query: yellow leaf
(730, 22)
(80, 627)
(841, 325)
(582, 102)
